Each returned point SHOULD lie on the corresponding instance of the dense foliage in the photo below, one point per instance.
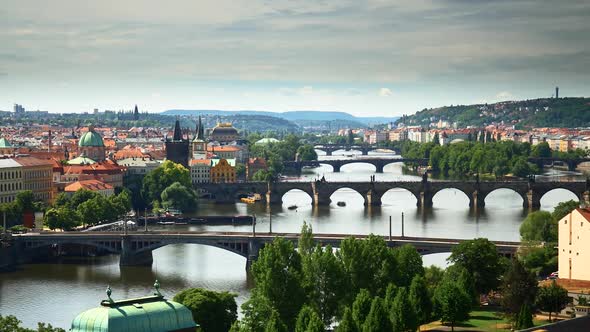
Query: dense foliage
(167, 186)
(545, 112)
(213, 311)
(552, 298)
(12, 324)
(275, 153)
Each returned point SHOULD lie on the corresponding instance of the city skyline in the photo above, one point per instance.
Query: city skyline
(377, 58)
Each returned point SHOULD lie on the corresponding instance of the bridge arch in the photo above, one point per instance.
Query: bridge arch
(113, 247)
(309, 193)
(354, 193)
(545, 197)
(346, 163)
(499, 191)
(239, 248)
(394, 194)
(467, 195)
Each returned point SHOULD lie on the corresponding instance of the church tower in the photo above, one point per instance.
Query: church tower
(136, 113)
(177, 148)
(199, 145)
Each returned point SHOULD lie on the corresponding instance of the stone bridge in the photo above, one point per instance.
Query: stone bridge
(572, 164)
(136, 248)
(336, 164)
(372, 192)
(364, 149)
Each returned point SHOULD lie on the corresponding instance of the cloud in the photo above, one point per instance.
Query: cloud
(385, 92)
(504, 95)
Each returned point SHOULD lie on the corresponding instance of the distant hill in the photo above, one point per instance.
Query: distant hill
(545, 112)
(299, 117)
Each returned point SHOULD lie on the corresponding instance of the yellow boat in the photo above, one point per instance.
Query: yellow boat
(248, 200)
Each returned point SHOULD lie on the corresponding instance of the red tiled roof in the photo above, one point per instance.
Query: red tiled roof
(89, 185)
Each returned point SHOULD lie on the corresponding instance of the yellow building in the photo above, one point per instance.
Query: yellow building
(37, 177)
(574, 245)
(223, 170)
(11, 180)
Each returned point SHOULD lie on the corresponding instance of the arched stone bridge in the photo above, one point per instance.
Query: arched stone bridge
(572, 164)
(336, 164)
(364, 149)
(372, 192)
(136, 248)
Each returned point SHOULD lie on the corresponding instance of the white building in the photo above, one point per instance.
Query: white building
(574, 245)
(200, 171)
(138, 166)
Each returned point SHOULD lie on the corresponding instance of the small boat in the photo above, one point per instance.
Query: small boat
(165, 223)
(292, 207)
(248, 200)
(341, 203)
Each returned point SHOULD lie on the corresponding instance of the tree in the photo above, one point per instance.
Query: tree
(541, 150)
(377, 319)
(307, 152)
(12, 324)
(518, 289)
(81, 196)
(409, 264)
(308, 321)
(433, 275)
(180, 197)
(361, 308)
(403, 316)
(350, 138)
(256, 312)
(436, 139)
(539, 226)
(162, 177)
(305, 244)
(552, 298)
(240, 170)
(480, 257)
(262, 175)
(278, 278)
(420, 299)
(563, 209)
(275, 324)
(213, 311)
(25, 200)
(521, 167)
(525, 318)
(451, 303)
(347, 323)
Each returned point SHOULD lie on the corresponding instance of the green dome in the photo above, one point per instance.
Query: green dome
(4, 143)
(146, 314)
(90, 138)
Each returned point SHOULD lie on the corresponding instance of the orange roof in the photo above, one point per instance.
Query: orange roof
(32, 161)
(200, 161)
(223, 148)
(129, 153)
(585, 212)
(88, 185)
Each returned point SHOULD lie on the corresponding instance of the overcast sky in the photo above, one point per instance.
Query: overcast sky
(363, 57)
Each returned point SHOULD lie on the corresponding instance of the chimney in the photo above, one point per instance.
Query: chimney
(556, 92)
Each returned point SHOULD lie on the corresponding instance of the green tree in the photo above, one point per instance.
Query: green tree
(81, 196)
(307, 152)
(278, 278)
(541, 260)
(180, 197)
(409, 264)
(539, 226)
(240, 170)
(162, 177)
(25, 200)
(262, 175)
(480, 257)
(377, 319)
(213, 311)
(305, 244)
(563, 209)
(521, 167)
(451, 303)
(347, 323)
(256, 312)
(525, 318)
(275, 324)
(12, 324)
(403, 315)
(433, 275)
(361, 308)
(436, 139)
(518, 289)
(541, 150)
(552, 298)
(420, 299)
(308, 321)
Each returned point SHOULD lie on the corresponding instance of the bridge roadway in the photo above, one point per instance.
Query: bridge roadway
(336, 164)
(363, 148)
(136, 248)
(372, 192)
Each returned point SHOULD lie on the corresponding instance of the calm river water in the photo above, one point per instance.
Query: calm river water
(56, 293)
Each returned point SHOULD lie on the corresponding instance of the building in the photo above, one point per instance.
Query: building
(254, 165)
(177, 148)
(150, 313)
(107, 172)
(11, 180)
(92, 185)
(200, 171)
(224, 133)
(138, 166)
(574, 245)
(223, 170)
(5, 147)
(238, 152)
(37, 176)
(91, 145)
(199, 145)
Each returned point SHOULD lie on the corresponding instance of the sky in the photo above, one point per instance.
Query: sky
(367, 58)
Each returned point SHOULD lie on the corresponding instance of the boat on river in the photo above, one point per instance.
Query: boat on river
(341, 203)
(292, 207)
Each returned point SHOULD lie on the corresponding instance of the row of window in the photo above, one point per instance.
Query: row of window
(9, 175)
(7, 199)
(11, 186)
(37, 174)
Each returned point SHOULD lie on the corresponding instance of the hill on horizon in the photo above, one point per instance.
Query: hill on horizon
(569, 112)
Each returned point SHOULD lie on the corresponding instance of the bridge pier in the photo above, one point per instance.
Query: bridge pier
(533, 200)
(365, 152)
(319, 199)
(477, 200)
(372, 198)
(379, 167)
(425, 199)
(253, 251)
(336, 168)
(130, 257)
(273, 198)
(328, 152)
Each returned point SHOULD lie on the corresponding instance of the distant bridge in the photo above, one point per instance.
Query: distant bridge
(136, 248)
(572, 164)
(372, 192)
(336, 164)
(363, 148)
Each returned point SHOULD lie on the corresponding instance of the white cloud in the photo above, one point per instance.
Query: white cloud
(385, 92)
(504, 95)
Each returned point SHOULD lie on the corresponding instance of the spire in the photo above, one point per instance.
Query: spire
(200, 130)
(177, 131)
(136, 113)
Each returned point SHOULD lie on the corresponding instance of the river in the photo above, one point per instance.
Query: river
(55, 293)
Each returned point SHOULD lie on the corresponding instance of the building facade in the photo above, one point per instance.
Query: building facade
(11, 180)
(91, 145)
(200, 171)
(223, 170)
(574, 245)
(224, 133)
(254, 165)
(177, 148)
(37, 176)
